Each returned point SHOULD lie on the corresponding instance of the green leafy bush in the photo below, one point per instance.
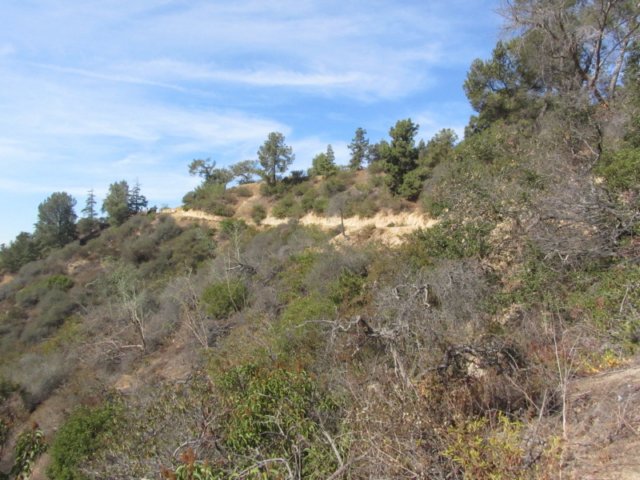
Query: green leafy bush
(434, 206)
(610, 298)
(621, 169)
(299, 332)
(448, 240)
(192, 247)
(60, 282)
(32, 294)
(231, 227)
(277, 411)
(29, 446)
(79, 437)
(347, 288)
(223, 298)
(287, 207)
(292, 278)
(268, 408)
(258, 213)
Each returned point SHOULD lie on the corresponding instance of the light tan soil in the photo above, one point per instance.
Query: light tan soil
(603, 440)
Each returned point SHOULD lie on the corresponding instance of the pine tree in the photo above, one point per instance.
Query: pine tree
(359, 147)
(275, 157)
(90, 206)
(56, 224)
(324, 163)
(116, 204)
(137, 202)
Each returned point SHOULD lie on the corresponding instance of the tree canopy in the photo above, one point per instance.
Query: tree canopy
(275, 157)
(401, 155)
(116, 204)
(359, 148)
(56, 224)
(324, 163)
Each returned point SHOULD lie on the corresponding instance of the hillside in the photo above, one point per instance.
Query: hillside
(453, 309)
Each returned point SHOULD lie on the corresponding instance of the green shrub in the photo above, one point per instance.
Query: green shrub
(223, 298)
(243, 192)
(273, 411)
(212, 198)
(299, 331)
(258, 213)
(31, 295)
(365, 207)
(621, 169)
(166, 229)
(4, 434)
(78, 438)
(54, 308)
(264, 403)
(292, 278)
(434, 206)
(448, 240)
(287, 207)
(6, 388)
(320, 205)
(334, 185)
(230, 227)
(29, 446)
(34, 293)
(188, 250)
(347, 288)
(308, 199)
(535, 284)
(610, 298)
(60, 282)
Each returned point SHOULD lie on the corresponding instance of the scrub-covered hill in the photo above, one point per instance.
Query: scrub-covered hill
(450, 309)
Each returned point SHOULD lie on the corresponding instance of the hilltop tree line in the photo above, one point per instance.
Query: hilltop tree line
(405, 162)
(58, 223)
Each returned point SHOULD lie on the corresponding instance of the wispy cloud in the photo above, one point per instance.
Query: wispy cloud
(100, 90)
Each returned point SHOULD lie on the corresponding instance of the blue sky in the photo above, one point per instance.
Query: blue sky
(96, 91)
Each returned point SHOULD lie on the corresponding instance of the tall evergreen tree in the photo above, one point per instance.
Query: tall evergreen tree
(359, 147)
(137, 202)
(275, 157)
(22, 250)
(56, 224)
(90, 206)
(401, 155)
(116, 204)
(324, 163)
(90, 221)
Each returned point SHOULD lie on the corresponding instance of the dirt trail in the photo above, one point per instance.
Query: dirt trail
(604, 426)
(387, 227)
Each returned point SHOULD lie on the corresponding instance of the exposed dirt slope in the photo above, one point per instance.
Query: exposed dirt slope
(604, 426)
(387, 227)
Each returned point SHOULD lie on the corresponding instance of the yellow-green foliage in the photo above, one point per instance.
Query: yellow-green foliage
(292, 279)
(484, 452)
(299, 332)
